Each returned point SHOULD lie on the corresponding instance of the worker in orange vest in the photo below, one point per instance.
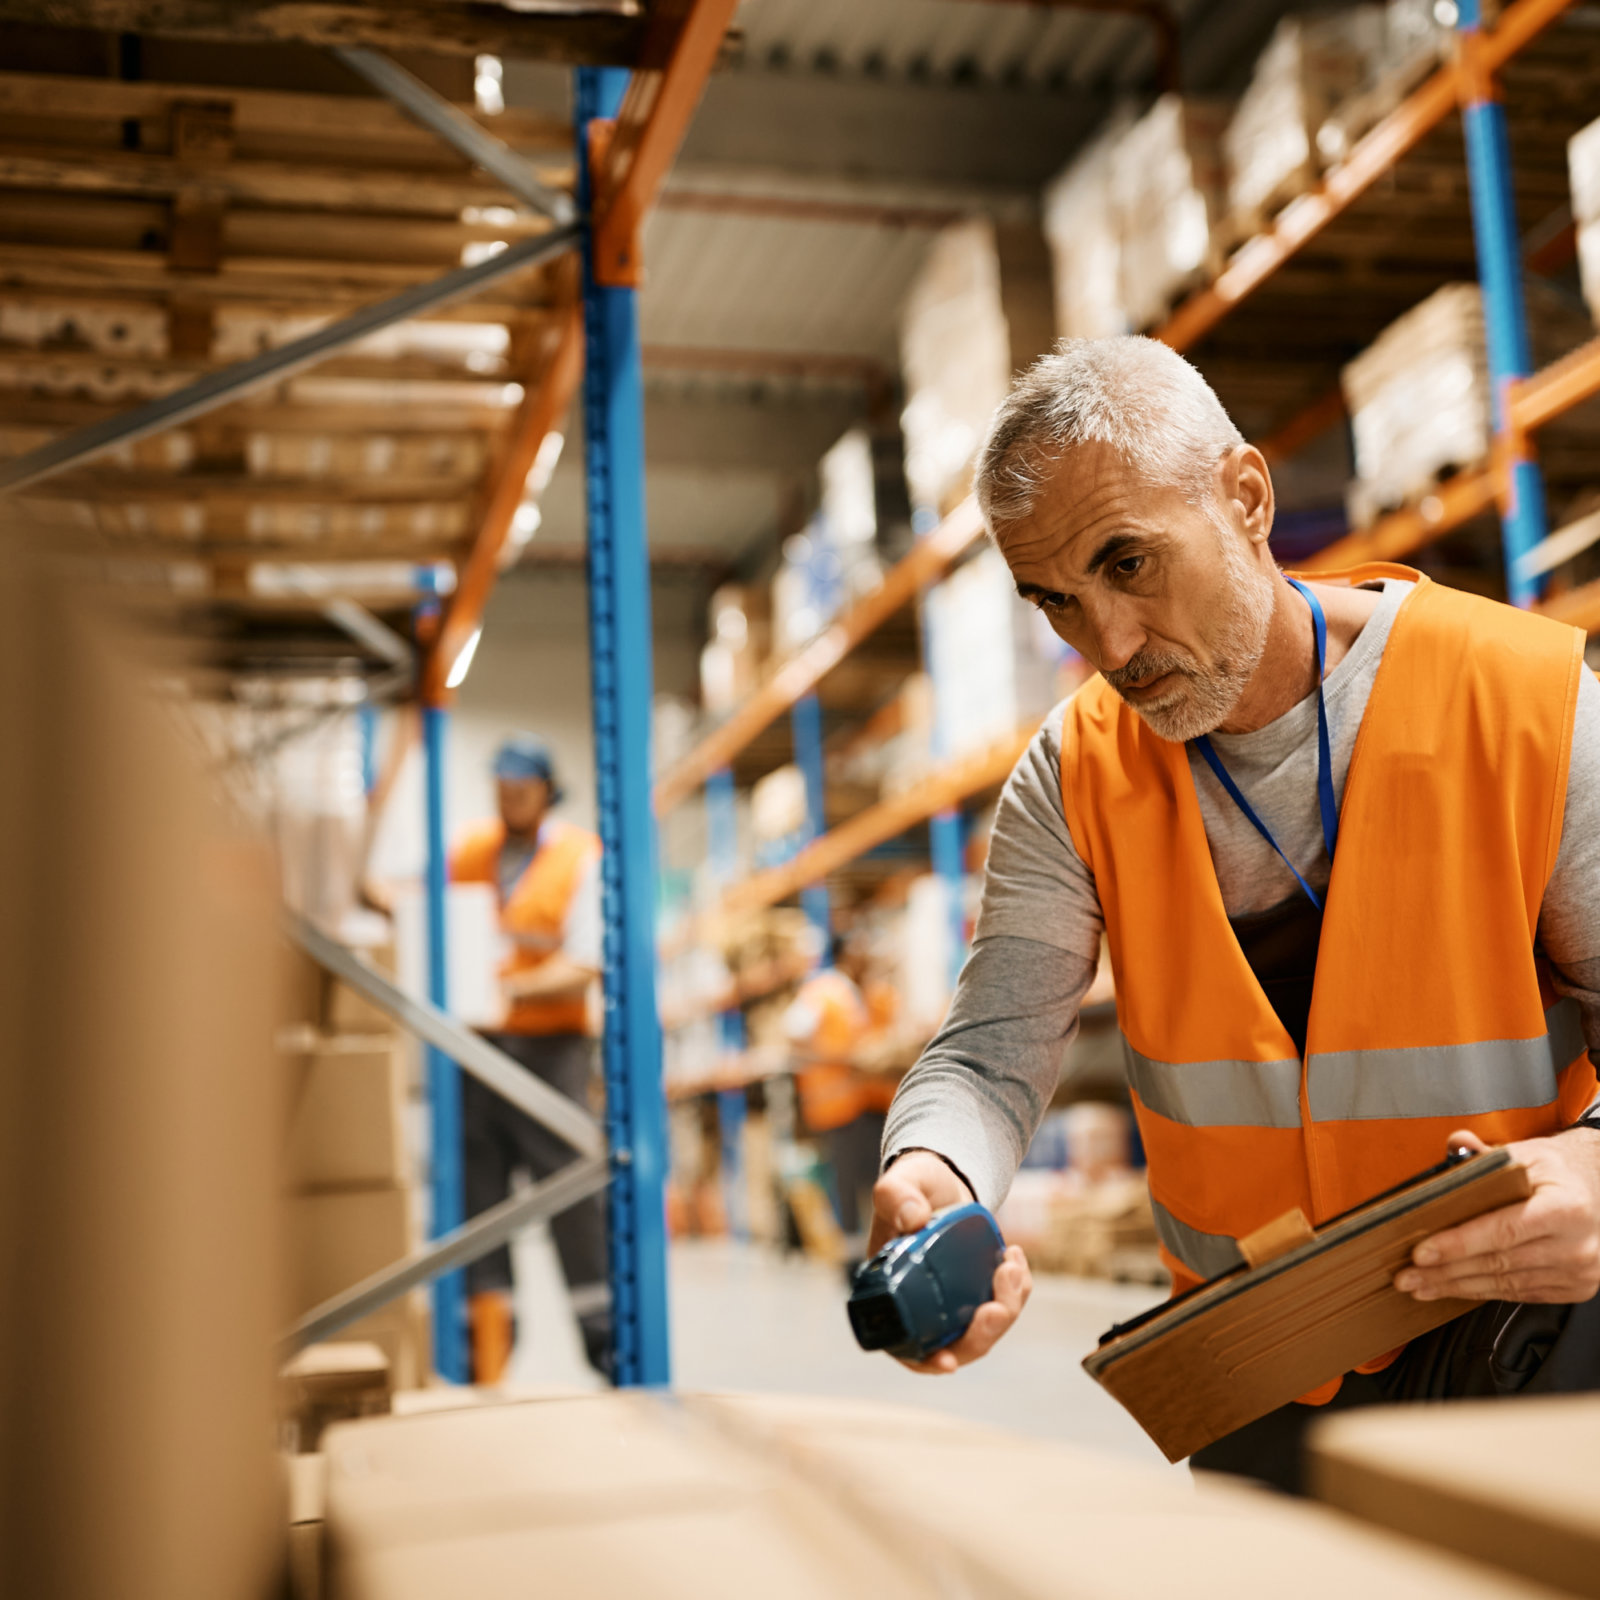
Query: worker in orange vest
(1341, 835)
(545, 874)
(826, 1023)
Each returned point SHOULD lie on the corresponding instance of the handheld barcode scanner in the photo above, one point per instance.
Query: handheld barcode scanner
(922, 1290)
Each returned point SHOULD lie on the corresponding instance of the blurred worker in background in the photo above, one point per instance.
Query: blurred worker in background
(1302, 1030)
(826, 1023)
(545, 873)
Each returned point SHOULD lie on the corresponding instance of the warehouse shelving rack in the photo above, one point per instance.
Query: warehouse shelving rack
(630, 125)
(1525, 402)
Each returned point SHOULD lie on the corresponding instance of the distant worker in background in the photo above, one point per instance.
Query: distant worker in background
(826, 1023)
(546, 878)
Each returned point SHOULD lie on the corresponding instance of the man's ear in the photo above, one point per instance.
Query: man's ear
(1250, 488)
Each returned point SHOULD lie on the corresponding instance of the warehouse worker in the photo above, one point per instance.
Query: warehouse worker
(545, 874)
(826, 1023)
(1343, 840)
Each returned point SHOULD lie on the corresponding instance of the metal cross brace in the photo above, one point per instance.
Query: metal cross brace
(217, 388)
(473, 1053)
(457, 129)
(488, 1230)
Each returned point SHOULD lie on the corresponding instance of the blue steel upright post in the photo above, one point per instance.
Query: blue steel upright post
(805, 732)
(444, 1076)
(619, 647)
(1495, 233)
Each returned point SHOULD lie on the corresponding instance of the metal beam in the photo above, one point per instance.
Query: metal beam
(620, 657)
(633, 153)
(456, 1249)
(218, 388)
(457, 129)
(542, 409)
(474, 1054)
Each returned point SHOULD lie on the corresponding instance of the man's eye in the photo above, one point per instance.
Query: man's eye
(1128, 566)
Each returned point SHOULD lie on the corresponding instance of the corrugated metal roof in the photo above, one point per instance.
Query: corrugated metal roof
(951, 39)
(735, 282)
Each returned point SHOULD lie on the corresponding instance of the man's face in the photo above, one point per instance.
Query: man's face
(1169, 600)
(523, 803)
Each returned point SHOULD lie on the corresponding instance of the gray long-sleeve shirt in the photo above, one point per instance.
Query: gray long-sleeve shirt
(982, 1085)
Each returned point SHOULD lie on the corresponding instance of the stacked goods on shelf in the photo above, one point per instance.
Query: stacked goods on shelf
(1583, 163)
(894, 749)
(955, 353)
(1419, 396)
(1168, 196)
(1077, 1206)
(354, 1206)
(738, 627)
(997, 665)
(779, 819)
(1413, 43)
(834, 562)
(141, 1296)
(1311, 65)
(1080, 223)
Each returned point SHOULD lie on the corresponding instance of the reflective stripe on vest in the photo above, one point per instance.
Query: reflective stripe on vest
(1429, 1011)
(1351, 1085)
(1206, 1255)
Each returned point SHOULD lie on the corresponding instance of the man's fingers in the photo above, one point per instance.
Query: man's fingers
(1013, 1283)
(1494, 1232)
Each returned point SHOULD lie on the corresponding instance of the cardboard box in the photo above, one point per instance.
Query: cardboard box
(345, 1011)
(346, 1121)
(688, 1497)
(1169, 193)
(1310, 66)
(337, 1239)
(1506, 1481)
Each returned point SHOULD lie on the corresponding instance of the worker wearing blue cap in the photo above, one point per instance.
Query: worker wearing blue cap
(545, 874)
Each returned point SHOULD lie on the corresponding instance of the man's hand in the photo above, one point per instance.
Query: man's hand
(1544, 1249)
(904, 1200)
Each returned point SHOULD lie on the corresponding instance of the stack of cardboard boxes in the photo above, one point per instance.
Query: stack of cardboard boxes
(354, 1203)
(1419, 395)
(1583, 163)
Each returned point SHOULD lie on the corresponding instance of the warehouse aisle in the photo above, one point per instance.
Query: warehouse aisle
(745, 1318)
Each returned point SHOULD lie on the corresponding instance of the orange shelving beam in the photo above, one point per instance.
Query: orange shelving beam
(928, 561)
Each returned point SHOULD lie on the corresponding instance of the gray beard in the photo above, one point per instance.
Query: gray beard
(1201, 699)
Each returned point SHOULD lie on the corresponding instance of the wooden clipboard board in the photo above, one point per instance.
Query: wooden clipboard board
(1256, 1338)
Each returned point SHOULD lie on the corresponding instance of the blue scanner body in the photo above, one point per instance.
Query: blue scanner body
(921, 1291)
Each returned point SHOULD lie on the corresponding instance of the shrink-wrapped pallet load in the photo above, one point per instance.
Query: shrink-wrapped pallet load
(1583, 162)
(1080, 223)
(1312, 64)
(955, 351)
(1419, 395)
(1413, 43)
(1418, 398)
(1168, 195)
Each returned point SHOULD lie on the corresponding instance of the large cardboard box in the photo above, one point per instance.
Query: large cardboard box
(347, 1118)
(345, 1011)
(1507, 1481)
(337, 1239)
(798, 1498)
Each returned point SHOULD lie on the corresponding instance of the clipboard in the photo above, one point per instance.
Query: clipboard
(1196, 1368)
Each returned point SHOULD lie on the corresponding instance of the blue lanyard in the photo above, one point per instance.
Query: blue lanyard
(1325, 800)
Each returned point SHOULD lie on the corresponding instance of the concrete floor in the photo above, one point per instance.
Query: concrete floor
(745, 1318)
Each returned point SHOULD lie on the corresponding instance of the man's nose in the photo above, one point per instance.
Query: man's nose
(1117, 637)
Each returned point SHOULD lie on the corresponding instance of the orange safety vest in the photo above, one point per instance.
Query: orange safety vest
(832, 1092)
(1429, 1010)
(535, 912)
